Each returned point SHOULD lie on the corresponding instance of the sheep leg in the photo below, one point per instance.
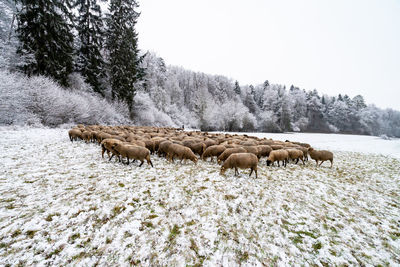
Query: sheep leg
(316, 162)
(278, 164)
(251, 171)
(331, 160)
(297, 160)
(322, 161)
(149, 162)
(141, 163)
(255, 170)
(109, 156)
(128, 161)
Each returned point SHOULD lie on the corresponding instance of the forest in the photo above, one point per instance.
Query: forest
(85, 67)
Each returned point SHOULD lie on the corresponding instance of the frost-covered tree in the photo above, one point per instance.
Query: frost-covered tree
(122, 48)
(90, 62)
(45, 34)
(8, 41)
(314, 112)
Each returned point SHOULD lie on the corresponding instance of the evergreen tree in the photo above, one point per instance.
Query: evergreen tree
(122, 47)
(90, 31)
(237, 88)
(44, 32)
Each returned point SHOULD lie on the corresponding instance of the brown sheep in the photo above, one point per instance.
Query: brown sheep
(264, 150)
(252, 149)
(163, 148)
(242, 161)
(212, 151)
(138, 143)
(295, 154)
(276, 147)
(305, 152)
(278, 155)
(74, 134)
(150, 145)
(101, 136)
(181, 152)
(198, 147)
(248, 143)
(133, 152)
(228, 152)
(210, 142)
(87, 136)
(106, 145)
(321, 155)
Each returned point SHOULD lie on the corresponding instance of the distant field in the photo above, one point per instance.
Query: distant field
(61, 203)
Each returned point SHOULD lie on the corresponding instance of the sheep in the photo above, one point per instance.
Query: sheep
(252, 149)
(87, 136)
(305, 152)
(101, 136)
(74, 134)
(106, 145)
(242, 161)
(295, 154)
(278, 155)
(133, 152)
(263, 150)
(163, 148)
(150, 145)
(212, 151)
(138, 143)
(276, 147)
(198, 147)
(228, 152)
(320, 155)
(248, 143)
(210, 142)
(181, 152)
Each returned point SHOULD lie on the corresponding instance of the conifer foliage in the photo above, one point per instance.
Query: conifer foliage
(91, 38)
(44, 31)
(122, 48)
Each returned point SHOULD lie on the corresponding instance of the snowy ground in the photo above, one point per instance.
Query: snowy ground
(61, 203)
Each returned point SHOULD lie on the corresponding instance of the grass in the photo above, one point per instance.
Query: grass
(175, 231)
(73, 237)
(230, 197)
(16, 233)
(31, 233)
(124, 214)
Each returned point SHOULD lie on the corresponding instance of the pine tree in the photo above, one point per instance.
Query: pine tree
(45, 33)
(237, 88)
(90, 31)
(122, 47)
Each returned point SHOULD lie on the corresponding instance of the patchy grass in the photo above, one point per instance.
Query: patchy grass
(84, 210)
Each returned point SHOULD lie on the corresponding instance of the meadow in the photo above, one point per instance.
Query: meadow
(62, 203)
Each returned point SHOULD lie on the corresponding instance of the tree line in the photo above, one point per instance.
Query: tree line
(58, 39)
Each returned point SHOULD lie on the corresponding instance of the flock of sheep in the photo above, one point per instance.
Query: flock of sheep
(230, 151)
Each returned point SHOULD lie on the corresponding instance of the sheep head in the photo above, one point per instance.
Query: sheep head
(222, 171)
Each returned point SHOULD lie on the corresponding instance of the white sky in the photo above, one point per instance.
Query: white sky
(338, 46)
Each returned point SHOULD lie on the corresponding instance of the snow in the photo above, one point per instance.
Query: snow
(340, 142)
(62, 204)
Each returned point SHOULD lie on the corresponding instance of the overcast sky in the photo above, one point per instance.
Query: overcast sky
(337, 46)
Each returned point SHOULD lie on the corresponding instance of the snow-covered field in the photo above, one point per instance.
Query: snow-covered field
(61, 203)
